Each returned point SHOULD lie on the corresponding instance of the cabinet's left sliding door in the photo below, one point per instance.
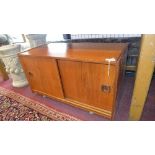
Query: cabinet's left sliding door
(43, 75)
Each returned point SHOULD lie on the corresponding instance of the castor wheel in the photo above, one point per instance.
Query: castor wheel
(44, 96)
(90, 112)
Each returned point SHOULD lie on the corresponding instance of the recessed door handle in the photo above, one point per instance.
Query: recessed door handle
(30, 73)
(106, 88)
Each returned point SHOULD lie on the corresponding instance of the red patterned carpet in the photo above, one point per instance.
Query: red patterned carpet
(14, 106)
(11, 110)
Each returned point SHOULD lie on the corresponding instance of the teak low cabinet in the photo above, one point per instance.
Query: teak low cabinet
(74, 74)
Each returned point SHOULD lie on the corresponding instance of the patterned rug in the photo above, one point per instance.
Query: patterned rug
(15, 107)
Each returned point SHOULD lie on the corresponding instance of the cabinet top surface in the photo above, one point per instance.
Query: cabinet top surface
(95, 52)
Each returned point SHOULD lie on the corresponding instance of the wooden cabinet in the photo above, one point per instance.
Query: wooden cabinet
(77, 73)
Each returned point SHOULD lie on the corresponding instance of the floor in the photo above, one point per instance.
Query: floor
(122, 110)
(149, 108)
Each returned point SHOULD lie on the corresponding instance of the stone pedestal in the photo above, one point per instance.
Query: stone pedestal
(36, 39)
(3, 73)
(9, 56)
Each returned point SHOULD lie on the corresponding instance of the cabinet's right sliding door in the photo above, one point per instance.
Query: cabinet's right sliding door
(87, 83)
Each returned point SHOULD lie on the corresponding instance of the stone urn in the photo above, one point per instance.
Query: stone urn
(36, 39)
(9, 56)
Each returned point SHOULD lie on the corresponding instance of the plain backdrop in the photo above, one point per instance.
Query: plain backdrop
(77, 17)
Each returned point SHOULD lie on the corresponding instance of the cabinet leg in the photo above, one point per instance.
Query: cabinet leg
(91, 113)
